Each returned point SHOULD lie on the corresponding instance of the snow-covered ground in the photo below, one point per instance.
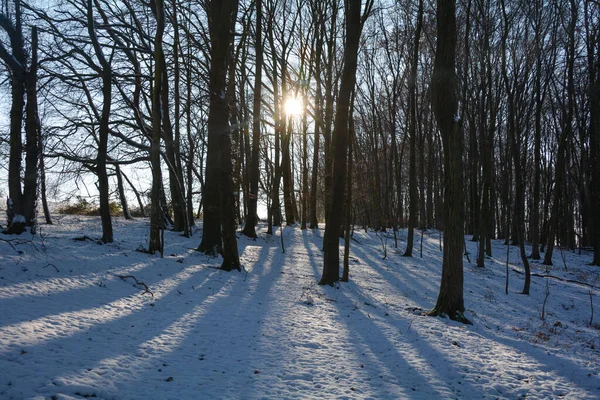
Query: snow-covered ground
(70, 328)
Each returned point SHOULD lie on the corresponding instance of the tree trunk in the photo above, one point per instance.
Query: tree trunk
(534, 225)
(348, 206)
(412, 107)
(252, 217)
(331, 267)
(304, 205)
(329, 99)
(43, 186)
(564, 136)
(17, 64)
(156, 213)
(122, 197)
(33, 134)
(103, 130)
(222, 17)
(445, 107)
(318, 117)
(594, 96)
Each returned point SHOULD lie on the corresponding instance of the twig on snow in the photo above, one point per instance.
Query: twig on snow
(51, 265)
(147, 289)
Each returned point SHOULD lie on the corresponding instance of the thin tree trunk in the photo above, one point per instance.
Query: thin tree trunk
(563, 137)
(348, 206)
(412, 107)
(318, 117)
(122, 196)
(252, 217)
(103, 130)
(594, 96)
(156, 213)
(535, 208)
(137, 195)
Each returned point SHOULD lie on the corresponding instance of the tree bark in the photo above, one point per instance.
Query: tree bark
(17, 63)
(318, 117)
(33, 134)
(156, 213)
(103, 129)
(252, 217)
(445, 107)
(222, 20)
(565, 135)
(331, 267)
(594, 96)
(122, 196)
(412, 107)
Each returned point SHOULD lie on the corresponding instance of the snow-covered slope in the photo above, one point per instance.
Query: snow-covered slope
(71, 328)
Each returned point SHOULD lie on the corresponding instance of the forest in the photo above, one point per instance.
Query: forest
(477, 118)
(356, 135)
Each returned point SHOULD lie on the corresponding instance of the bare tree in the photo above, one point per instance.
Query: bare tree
(354, 24)
(445, 107)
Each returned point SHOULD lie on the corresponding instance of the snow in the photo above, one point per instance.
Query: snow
(70, 328)
(18, 219)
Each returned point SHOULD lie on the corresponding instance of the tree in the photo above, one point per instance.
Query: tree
(156, 217)
(515, 87)
(21, 203)
(593, 54)
(106, 75)
(445, 107)
(564, 136)
(412, 106)
(252, 217)
(222, 16)
(354, 24)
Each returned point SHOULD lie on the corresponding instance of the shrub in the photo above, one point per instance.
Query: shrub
(83, 207)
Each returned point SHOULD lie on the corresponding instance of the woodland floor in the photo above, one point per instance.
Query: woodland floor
(70, 328)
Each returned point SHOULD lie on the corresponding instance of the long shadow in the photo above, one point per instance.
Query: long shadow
(111, 339)
(218, 344)
(592, 385)
(387, 354)
(306, 235)
(120, 323)
(96, 285)
(414, 286)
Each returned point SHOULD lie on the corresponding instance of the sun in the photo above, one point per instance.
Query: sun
(293, 106)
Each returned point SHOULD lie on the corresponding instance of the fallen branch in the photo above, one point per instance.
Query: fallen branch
(9, 243)
(559, 279)
(140, 283)
(51, 265)
(17, 242)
